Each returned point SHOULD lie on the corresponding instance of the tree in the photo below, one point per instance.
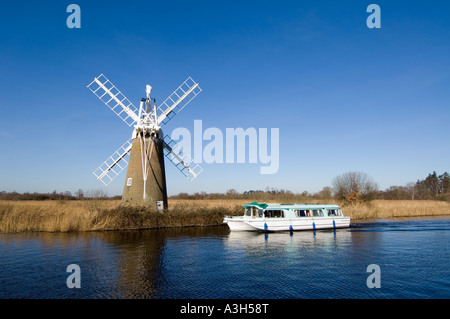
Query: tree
(96, 193)
(354, 186)
(325, 193)
(444, 183)
(434, 186)
(397, 193)
(231, 192)
(79, 194)
(411, 187)
(431, 183)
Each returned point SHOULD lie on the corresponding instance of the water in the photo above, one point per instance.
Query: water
(197, 263)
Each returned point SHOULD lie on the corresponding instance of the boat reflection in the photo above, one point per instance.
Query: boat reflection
(322, 238)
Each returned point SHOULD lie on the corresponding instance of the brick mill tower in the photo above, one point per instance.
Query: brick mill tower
(144, 152)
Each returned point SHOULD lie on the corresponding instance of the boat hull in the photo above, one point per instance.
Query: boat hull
(274, 224)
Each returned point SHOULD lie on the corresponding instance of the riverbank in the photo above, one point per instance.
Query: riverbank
(97, 215)
(100, 215)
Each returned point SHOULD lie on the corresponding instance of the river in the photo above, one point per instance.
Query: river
(411, 260)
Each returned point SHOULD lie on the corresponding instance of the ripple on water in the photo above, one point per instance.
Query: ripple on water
(216, 263)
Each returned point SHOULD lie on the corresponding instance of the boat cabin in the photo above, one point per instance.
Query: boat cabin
(262, 210)
(288, 217)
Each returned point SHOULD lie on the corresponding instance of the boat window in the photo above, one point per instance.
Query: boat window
(317, 212)
(332, 212)
(274, 213)
(253, 212)
(257, 213)
(300, 213)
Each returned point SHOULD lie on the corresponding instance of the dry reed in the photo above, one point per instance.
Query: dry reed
(359, 210)
(97, 214)
(410, 208)
(92, 215)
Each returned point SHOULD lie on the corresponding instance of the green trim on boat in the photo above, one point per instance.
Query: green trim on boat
(260, 205)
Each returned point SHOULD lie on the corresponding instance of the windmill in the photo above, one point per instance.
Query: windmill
(144, 152)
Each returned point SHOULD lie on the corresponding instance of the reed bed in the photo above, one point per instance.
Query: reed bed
(359, 210)
(100, 215)
(95, 215)
(410, 208)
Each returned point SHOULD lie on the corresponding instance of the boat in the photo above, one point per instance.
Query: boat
(268, 217)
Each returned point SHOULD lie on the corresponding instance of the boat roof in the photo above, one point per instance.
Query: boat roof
(267, 206)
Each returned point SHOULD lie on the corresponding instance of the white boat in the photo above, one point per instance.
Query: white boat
(288, 217)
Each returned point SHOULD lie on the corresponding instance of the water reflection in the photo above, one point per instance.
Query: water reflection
(157, 263)
(138, 263)
(116, 264)
(306, 238)
(213, 262)
(139, 268)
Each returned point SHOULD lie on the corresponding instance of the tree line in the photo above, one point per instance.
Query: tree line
(348, 187)
(356, 186)
(433, 187)
(67, 195)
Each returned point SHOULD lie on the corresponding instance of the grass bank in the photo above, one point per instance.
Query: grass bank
(368, 210)
(97, 215)
(397, 208)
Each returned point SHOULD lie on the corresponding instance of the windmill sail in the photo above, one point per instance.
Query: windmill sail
(114, 99)
(143, 154)
(188, 90)
(115, 164)
(183, 162)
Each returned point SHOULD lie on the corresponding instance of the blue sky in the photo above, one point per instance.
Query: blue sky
(344, 97)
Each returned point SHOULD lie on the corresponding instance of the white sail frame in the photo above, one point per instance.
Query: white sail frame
(181, 97)
(183, 162)
(114, 99)
(114, 165)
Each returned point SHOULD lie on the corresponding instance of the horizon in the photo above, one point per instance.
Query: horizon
(344, 97)
(88, 193)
